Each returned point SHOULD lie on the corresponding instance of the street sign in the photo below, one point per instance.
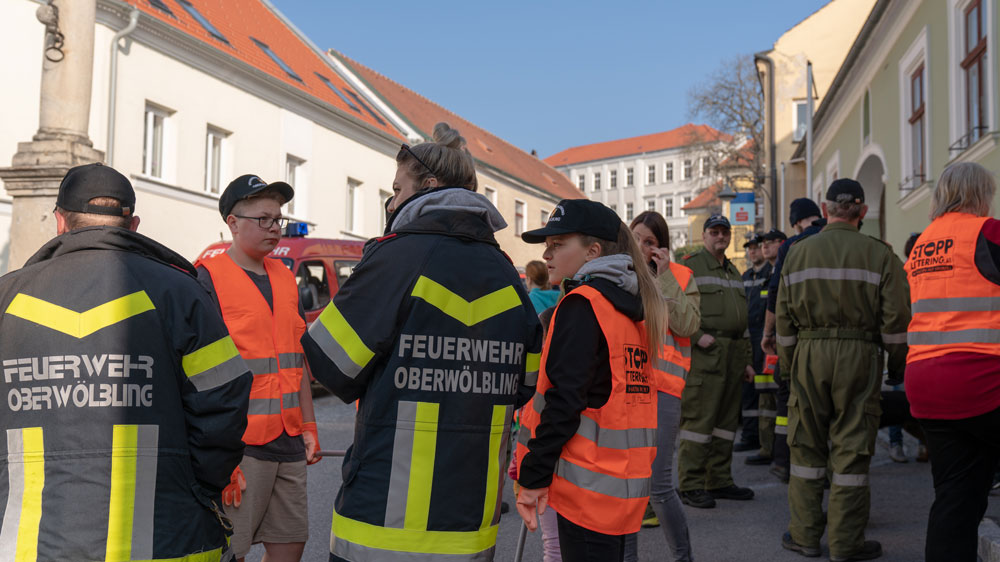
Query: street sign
(743, 209)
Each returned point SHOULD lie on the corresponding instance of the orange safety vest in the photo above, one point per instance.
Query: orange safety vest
(674, 361)
(601, 481)
(954, 308)
(268, 340)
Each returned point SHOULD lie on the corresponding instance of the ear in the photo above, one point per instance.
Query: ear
(430, 183)
(825, 214)
(864, 211)
(592, 252)
(232, 221)
(134, 225)
(60, 223)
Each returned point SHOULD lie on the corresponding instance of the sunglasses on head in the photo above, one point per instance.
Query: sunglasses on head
(404, 149)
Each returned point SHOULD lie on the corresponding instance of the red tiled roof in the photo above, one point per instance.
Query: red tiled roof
(681, 136)
(486, 147)
(742, 157)
(238, 21)
(706, 198)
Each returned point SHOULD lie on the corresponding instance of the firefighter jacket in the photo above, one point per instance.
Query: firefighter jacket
(434, 332)
(268, 340)
(124, 403)
(755, 285)
(600, 480)
(954, 305)
(723, 300)
(674, 361)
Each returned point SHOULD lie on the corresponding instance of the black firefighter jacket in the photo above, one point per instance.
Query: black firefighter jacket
(434, 332)
(124, 404)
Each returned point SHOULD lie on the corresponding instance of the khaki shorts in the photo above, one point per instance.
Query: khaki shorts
(274, 507)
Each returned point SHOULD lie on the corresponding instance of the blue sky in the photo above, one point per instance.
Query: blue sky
(551, 74)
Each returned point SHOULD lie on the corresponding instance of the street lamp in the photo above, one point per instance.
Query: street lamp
(727, 193)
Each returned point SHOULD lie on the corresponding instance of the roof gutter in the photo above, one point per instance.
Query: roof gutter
(133, 21)
(771, 144)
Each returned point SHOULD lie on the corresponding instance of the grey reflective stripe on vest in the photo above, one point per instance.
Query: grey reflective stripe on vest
(807, 472)
(750, 413)
(671, 368)
(263, 365)
(616, 438)
(854, 480)
(712, 280)
(670, 342)
(16, 489)
(787, 341)
(219, 375)
(624, 488)
(360, 553)
(694, 437)
(291, 360)
(894, 338)
(531, 378)
(781, 430)
(402, 454)
(724, 434)
(264, 406)
(765, 385)
(148, 439)
(290, 400)
(833, 274)
(957, 304)
(976, 335)
(768, 413)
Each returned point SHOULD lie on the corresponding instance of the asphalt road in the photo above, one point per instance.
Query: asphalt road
(733, 531)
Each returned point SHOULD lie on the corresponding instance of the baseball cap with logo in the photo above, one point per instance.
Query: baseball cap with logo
(845, 190)
(577, 216)
(247, 186)
(716, 220)
(757, 238)
(774, 234)
(83, 183)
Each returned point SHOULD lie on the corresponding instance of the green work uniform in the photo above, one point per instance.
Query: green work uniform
(843, 297)
(767, 412)
(710, 404)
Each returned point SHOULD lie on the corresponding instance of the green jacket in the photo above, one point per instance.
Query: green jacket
(723, 300)
(842, 284)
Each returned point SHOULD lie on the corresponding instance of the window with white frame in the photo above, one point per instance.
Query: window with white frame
(581, 181)
(975, 32)
(801, 117)
(154, 140)
(612, 179)
(629, 177)
(352, 205)
(917, 121)
(866, 118)
(629, 212)
(686, 170)
(668, 172)
(684, 203)
(702, 167)
(915, 108)
(215, 145)
(519, 209)
(613, 207)
(650, 204)
(651, 174)
(544, 216)
(668, 207)
(294, 177)
(490, 194)
(597, 181)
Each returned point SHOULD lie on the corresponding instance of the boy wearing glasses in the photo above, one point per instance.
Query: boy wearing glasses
(259, 301)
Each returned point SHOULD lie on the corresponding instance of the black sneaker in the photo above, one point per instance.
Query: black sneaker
(869, 551)
(698, 498)
(757, 459)
(780, 472)
(745, 446)
(732, 492)
(808, 551)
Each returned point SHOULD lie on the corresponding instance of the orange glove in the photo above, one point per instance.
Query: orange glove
(311, 438)
(233, 493)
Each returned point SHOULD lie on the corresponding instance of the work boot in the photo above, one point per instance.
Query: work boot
(757, 459)
(808, 551)
(698, 498)
(745, 446)
(870, 550)
(780, 472)
(732, 492)
(649, 518)
(922, 454)
(896, 453)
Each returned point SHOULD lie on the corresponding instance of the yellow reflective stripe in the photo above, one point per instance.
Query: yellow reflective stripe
(206, 556)
(468, 313)
(345, 336)
(493, 467)
(33, 469)
(212, 355)
(124, 450)
(412, 540)
(534, 360)
(781, 420)
(79, 324)
(418, 494)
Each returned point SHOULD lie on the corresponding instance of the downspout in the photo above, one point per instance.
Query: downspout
(133, 20)
(782, 191)
(809, 129)
(772, 145)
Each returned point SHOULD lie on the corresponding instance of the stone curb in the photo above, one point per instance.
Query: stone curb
(989, 540)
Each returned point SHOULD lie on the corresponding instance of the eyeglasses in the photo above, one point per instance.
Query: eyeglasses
(406, 148)
(266, 222)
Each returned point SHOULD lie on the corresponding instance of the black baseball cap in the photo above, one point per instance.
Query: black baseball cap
(577, 216)
(247, 186)
(774, 234)
(83, 183)
(757, 238)
(802, 208)
(844, 190)
(716, 220)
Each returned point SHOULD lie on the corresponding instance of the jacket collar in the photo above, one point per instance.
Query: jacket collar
(448, 211)
(112, 239)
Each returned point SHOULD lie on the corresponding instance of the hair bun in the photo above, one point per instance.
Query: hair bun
(445, 135)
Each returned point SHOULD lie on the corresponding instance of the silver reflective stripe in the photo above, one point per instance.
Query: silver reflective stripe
(15, 493)
(765, 385)
(712, 280)
(957, 304)
(501, 462)
(781, 430)
(290, 400)
(670, 342)
(694, 437)
(538, 402)
(531, 378)
(746, 333)
(264, 406)
(263, 365)
(291, 360)
(147, 454)
(361, 553)
(750, 413)
(850, 479)
(787, 341)
(624, 488)
(402, 455)
(768, 413)
(724, 434)
(807, 472)
(894, 338)
(616, 438)
(332, 348)
(754, 283)
(977, 335)
(833, 274)
(523, 435)
(671, 368)
(219, 375)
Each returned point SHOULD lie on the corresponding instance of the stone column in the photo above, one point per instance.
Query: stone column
(62, 140)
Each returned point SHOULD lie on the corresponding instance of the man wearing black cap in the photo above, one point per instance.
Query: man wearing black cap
(753, 279)
(720, 360)
(843, 300)
(126, 396)
(259, 301)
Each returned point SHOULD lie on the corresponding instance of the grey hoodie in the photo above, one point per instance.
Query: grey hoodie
(617, 268)
(453, 199)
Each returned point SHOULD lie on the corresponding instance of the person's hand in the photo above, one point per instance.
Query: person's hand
(529, 502)
(705, 340)
(233, 493)
(661, 257)
(749, 373)
(311, 438)
(767, 343)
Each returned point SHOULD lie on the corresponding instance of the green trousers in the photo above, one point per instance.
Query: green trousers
(768, 411)
(833, 414)
(710, 412)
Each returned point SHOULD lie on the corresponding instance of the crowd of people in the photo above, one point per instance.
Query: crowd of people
(173, 399)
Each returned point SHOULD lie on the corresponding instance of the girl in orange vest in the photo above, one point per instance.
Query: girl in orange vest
(589, 434)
